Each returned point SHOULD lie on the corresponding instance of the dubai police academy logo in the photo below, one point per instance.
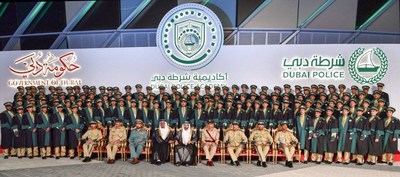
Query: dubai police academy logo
(368, 67)
(190, 36)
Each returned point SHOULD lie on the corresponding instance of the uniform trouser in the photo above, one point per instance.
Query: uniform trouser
(20, 152)
(262, 152)
(372, 158)
(112, 150)
(316, 157)
(306, 154)
(6, 152)
(13, 151)
(234, 152)
(289, 152)
(387, 157)
(63, 151)
(210, 151)
(329, 156)
(135, 150)
(87, 149)
(359, 157)
(340, 156)
(34, 152)
(45, 151)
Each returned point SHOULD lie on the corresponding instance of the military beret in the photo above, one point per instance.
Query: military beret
(91, 93)
(322, 94)
(88, 100)
(118, 120)
(392, 109)
(67, 100)
(138, 86)
(110, 88)
(74, 106)
(161, 87)
(298, 87)
(332, 100)
(128, 87)
(210, 121)
(40, 87)
(168, 102)
(263, 93)
(275, 103)
(318, 102)
(374, 108)
(139, 121)
(361, 93)
(133, 101)
(377, 92)
(297, 101)
(303, 107)
(217, 88)
(253, 94)
(20, 107)
(382, 100)
(192, 94)
(274, 94)
(365, 87)
(229, 100)
(360, 109)
(380, 84)
(264, 88)
(120, 100)
(309, 101)
(321, 86)
(314, 86)
(257, 102)
(342, 86)
(60, 106)
(152, 94)
(346, 94)
(7, 104)
(59, 88)
(207, 87)
(230, 94)
(248, 101)
(93, 122)
(78, 100)
(113, 99)
(287, 86)
(92, 87)
(260, 123)
(118, 93)
(44, 106)
(156, 102)
(140, 94)
(354, 87)
(354, 100)
(225, 88)
(265, 101)
(286, 101)
(220, 102)
(56, 100)
(235, 122)
(29, 106)
(284, 122)
(185, 87)
(239, 102)
(312, 93)
(197, 88)
(306, 88)
(20, 87)
(277, 88)
(174, 87)
(318, 110)
(244, 86)
(340, 101)
(243, 94)
(99, 100)
(85, 87)
(149, 88)
(199, 101)
(253, 86)
(235, 86)
(217, 94)
(346, 107)
(183, 100)
(331, 86)
(367, 101)
(102, 88)
(329, 108)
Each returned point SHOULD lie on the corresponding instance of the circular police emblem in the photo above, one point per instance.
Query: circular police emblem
(368, 67)
(190, 36)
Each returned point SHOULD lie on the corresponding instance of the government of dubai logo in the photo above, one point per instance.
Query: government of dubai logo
(368, 66)
(190, 36)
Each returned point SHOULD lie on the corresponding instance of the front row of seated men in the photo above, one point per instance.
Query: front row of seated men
(185, 149)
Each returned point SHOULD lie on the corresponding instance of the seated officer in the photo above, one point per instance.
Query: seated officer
(286, 142)
(137, 141)
(235, 139)
(117, 135)
(262, 140)
(92, 138)
(210, 137)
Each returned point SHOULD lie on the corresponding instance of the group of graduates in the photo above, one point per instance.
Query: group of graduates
(323, 121)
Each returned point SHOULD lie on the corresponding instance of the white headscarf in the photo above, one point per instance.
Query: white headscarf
(185, 134)
(164, 131)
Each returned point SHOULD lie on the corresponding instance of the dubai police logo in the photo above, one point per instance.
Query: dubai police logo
(190, 36)
(368, 67)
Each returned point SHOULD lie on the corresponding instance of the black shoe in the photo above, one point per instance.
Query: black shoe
(158, 163)
(85, 159)
(264, 164)
(89, 159)
(373, 163)
(259, 163)
(390, 163)
(57, 157)
(286, 163)
(71, 157)
(327, 162)
(237, 163)
(290, 165)
(345, 163)
(30, 157)
(318, 163)
(295, 160)
(232, 163)
(20, 157)
(337, 162)
(44, 158)
(359, 164)
(5, 157)
(305, 162)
